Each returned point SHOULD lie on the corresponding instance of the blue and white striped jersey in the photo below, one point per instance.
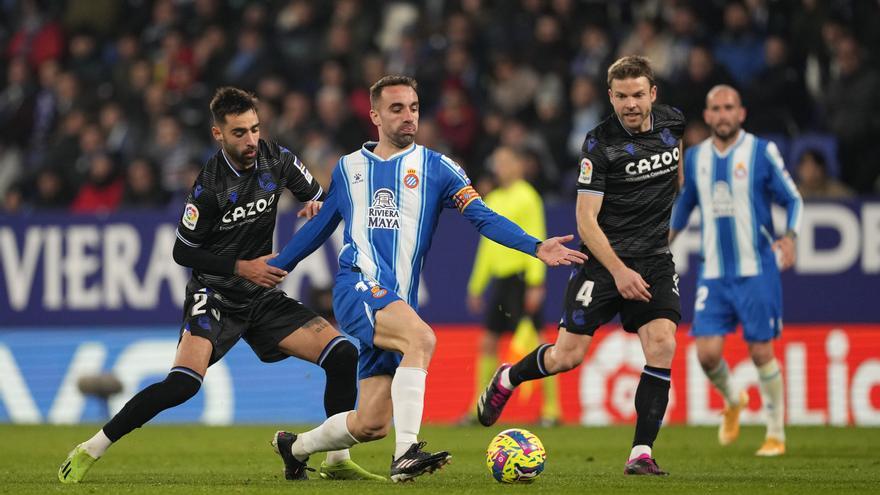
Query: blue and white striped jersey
(391, 208)
(735, 190)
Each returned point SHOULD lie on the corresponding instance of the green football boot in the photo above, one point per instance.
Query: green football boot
(347, 470)
(75, 467)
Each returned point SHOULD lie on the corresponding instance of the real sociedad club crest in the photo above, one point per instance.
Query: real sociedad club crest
(411, 180)
(667, 137)
(383, 213)
(266, 182)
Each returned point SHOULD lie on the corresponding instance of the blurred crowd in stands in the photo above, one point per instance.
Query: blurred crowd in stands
(105, 102)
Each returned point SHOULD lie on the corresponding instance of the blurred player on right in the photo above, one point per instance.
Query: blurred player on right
(734, 177)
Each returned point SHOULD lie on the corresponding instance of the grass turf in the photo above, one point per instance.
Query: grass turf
(198, 459)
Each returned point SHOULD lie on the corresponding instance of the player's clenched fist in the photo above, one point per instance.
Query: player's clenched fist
(258, 272)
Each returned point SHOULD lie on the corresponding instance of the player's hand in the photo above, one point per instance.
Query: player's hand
(786, 252)
(475, 305)
(534, 299)
(631, 285)
(259, 272)
(309, 209)
(554, 253)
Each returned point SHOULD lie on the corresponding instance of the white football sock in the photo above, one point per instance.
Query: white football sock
(771, 393)
(97, 445)
(408, 402)
(720, 378)
(332, 434)
(639, 450)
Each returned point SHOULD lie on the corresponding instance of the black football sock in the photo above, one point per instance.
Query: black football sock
(180, 384)
(339, 360)
(652, 396)
(530, 367)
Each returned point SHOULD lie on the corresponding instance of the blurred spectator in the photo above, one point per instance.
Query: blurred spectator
(813, 179)
(588, 110)
(853, 106)
(123, 137)
(13, 200)
(777, 93)
(457, 119)
(10, 167)
(290, 126)
(543, 174)
(594, 55)
(103, 188)
(50, 190)
(549, 52)
(91, 143)
(142, 188)
(171, 150)
(38, 38)
(647, 40)
(689, 94)
(17, 103)
(84, 59)
(695, 133)
(514, 86)
(249, 62)
(739, 48)
(335, 119)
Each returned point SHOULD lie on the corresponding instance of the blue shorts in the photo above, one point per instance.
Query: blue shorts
(756, 302)
(355, 303)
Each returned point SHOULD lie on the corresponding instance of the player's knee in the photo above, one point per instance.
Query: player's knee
(709, 360)
(423, 340)
(660, 346)
(181, 385)
(341, 360)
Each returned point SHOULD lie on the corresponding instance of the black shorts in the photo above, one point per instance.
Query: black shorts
(592, 299)
(263, 324)
(506, 304)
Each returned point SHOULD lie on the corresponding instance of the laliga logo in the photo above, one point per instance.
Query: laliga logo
(251, 209)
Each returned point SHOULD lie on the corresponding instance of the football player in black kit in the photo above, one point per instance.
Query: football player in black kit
(225, 236)
(627, 183)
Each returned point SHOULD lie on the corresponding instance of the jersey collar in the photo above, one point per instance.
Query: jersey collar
(650, 116)
(236, 171)
(369, 146)
(739, 139)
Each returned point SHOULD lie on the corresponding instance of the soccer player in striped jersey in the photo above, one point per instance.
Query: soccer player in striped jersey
(734, 177)
(390, 194)
(225, 236)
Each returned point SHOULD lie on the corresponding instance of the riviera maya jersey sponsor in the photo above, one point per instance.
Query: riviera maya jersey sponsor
(383, 212)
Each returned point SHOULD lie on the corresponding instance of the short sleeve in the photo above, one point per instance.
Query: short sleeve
(457, 189)
(199, 215)
(593, 167)
(298, 179)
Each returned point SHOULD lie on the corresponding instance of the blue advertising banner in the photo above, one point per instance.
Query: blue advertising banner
(39, 369)
(117, 270)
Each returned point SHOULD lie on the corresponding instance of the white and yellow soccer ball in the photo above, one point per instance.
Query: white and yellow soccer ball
(515, 456)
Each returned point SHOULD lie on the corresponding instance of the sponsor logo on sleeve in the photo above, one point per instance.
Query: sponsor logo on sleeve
(190, 216)
(465, 196)
(586, 175)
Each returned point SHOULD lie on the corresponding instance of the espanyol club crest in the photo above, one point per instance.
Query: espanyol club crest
(411, 180)
(586, 175)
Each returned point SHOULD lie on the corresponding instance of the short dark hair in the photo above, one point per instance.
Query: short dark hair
(631, 67)
(231, 101)
(393, 80)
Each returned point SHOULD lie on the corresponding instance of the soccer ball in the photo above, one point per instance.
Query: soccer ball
(515, 456)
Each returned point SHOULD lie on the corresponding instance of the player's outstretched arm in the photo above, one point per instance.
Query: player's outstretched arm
(507, 233)
(629, 283)
(307, 239)
(554, 253)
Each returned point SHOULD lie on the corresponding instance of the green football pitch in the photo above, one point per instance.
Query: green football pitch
(214, 460)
